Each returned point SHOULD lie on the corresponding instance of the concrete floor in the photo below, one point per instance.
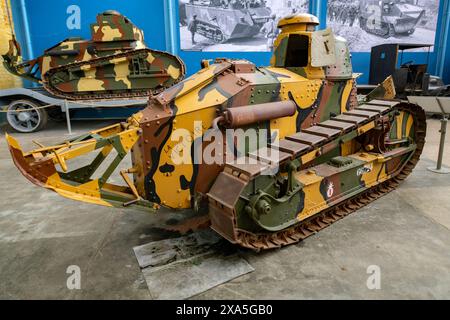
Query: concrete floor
(406, 234)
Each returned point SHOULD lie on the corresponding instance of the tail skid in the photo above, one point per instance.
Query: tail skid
(40, 166)
(12, 61)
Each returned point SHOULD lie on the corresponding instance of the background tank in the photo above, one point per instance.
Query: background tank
(115, 62)
(224, 20)
(396, 17)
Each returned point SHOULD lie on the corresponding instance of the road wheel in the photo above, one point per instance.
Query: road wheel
(26, 116)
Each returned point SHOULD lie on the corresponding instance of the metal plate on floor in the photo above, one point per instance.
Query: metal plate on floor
(166, 251)
(189, 278)
(182, 267)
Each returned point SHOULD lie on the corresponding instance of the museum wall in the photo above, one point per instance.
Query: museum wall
(49, 23)
(7, 80)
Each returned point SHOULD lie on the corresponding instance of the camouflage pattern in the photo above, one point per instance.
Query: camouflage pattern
(386, 90)
(341, 69)
(323, 170)
(116, 59)
(221, 21)
(396, 17)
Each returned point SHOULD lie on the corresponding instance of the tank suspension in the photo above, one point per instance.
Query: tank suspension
(260, 211)
(57, 78)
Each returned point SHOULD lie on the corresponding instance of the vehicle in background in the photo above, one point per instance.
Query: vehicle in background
(221, 21)
(387, 18)
(114, 64)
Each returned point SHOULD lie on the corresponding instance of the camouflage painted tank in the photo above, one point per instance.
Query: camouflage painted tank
(115, 63)
(388, 18)
(221, 21)
(269, 155)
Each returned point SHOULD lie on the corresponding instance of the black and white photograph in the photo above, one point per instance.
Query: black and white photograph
(233, 25)
(368, 23)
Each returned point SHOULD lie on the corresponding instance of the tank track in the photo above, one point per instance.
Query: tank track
(323, 219)
(116, 94)
(211, 32)
(386, 31)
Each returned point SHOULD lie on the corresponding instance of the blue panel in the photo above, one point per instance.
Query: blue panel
(48, 22)
(444, 57)
(446, 67)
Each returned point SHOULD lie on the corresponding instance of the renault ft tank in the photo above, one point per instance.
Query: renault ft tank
(114, 63)
(388, 18)
(271, 154)
(221, 21)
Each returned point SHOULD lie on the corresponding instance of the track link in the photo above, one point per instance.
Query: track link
(321, 220)
(110, 94)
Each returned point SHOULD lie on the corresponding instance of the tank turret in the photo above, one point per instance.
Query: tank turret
(342, 69)
(303, 50)
(111, 26)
